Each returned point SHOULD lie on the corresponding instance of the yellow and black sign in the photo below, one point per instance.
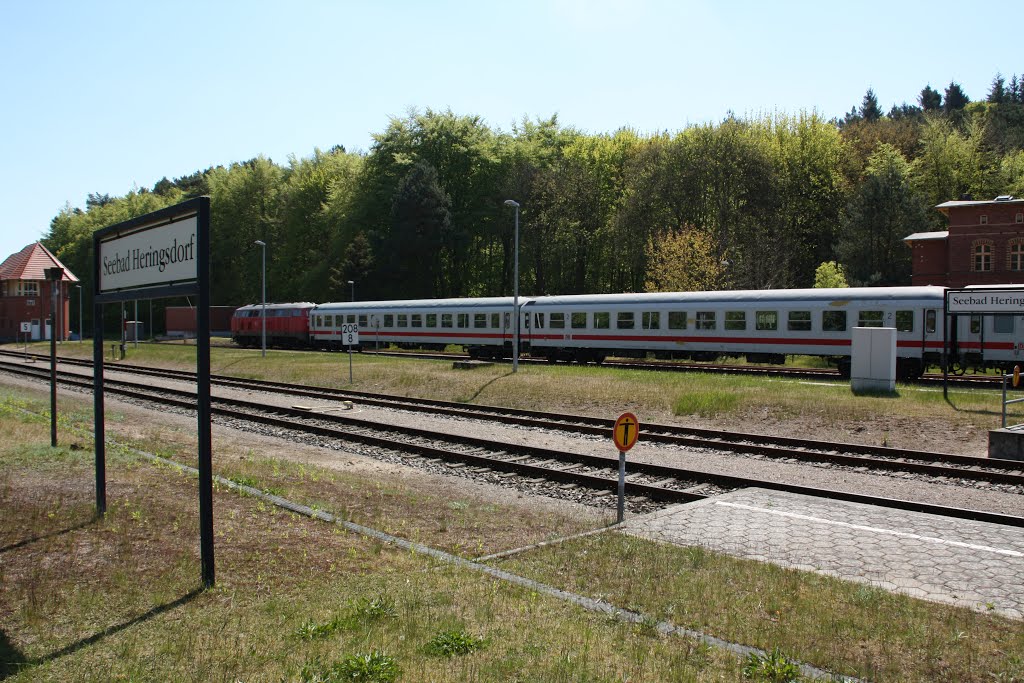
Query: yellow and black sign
(626, 431)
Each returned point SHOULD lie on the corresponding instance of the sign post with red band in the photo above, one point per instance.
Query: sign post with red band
(625, 433)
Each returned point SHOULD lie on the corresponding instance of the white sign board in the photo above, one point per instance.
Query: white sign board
(164, 254)
(350, 334)
(986, 301)
(26, 327)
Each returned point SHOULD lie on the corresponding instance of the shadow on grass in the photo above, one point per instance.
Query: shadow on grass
(11, 659)
(112, 630)
(34, 539)
(484, 386)
(875, 393)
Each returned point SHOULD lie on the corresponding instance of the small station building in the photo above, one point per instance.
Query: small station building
(26, 296)
(984, 245)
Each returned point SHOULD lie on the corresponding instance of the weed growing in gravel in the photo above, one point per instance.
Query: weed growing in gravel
(771, 667)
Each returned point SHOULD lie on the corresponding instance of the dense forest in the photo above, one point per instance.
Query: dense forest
(744, 203)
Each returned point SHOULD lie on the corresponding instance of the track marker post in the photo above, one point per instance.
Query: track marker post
(625, 434)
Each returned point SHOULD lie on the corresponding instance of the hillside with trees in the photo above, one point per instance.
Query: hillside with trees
(744, 203)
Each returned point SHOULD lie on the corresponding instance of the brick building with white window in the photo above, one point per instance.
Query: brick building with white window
(984, 245)
(26, 295)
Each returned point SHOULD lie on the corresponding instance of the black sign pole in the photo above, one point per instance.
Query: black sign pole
(203, 391)
(99, 429)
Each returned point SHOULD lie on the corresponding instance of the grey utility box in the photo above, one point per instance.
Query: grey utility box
(873, 359)
(1006, 443)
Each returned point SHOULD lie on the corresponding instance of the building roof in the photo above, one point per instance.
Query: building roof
(31, 263)
(922, 236)
(944, 207)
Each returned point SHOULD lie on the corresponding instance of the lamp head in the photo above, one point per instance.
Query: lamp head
(260, 243)
(512, 202)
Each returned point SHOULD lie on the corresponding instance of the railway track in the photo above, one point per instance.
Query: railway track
(646, 484)
(941, 466)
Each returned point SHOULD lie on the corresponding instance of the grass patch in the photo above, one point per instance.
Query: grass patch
(849, 628)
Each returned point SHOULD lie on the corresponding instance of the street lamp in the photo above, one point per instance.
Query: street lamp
(352, 284)
(81, 330)
(263, 296)
(515, 290)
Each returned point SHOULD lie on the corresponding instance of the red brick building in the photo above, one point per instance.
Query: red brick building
(983, 246)
(26, 295)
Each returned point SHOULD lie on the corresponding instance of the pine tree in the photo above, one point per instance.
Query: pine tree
(997, 94)
(930, 99)
(869, 107)
(956, 99)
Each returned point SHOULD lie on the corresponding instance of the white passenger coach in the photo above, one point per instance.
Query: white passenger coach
(761, 325)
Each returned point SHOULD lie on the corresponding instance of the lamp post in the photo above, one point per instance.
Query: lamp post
(263, 297)
(515, 290)
(81, 330)
(352, 284)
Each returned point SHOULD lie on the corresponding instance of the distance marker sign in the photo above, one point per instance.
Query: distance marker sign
(626, 431)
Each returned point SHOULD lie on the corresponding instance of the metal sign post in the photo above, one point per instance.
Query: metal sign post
(162, 254)
(624, 434)
(350, 338)
(54, 275)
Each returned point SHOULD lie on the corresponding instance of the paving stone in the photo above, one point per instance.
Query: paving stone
(962, 562)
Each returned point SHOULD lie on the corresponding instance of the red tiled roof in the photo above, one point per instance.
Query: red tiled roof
(30, 264)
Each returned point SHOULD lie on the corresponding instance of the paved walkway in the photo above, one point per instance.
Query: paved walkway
(972, 564)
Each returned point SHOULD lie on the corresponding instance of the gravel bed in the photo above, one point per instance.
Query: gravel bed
(973, 495)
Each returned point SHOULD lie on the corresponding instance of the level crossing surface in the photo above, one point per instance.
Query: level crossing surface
(961, 562)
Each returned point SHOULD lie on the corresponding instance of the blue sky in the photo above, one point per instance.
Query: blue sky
(107, 96)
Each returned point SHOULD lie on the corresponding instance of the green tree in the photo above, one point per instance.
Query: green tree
(997, 93)
(684, 260)
(883, 210)
(930, 99)
(869, 108)
(829, 274)
(421, 223)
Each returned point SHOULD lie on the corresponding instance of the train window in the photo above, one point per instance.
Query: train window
(403, 320)
(431, 319)
(870, 319)
(479, 320)
(496, 320)
(558, 321)
(833, 321)
(389, 320)
(463, 320)
(799, 321)
(1002, 324)
(602, 321)
(350, 318)
(538, 321)
(929, 322)
(446, 320)
(651, 320)
(677, 320)
(579, 321)
(975, 324)
(625, 320)
(362, 321)
(766, 320)
(706, 320)
(735, 320)
(317, 321)
(417, 320)
(904, 321)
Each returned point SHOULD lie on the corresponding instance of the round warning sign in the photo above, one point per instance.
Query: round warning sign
(626, 431)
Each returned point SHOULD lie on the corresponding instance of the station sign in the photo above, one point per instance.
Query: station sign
(350, 334)
(981, 301)
(164, 253)
(26, 327)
